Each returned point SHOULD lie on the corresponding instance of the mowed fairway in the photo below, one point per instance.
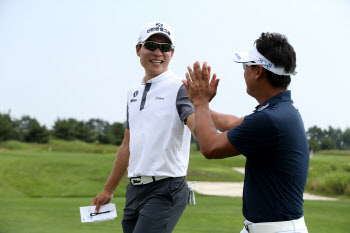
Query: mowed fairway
(42, 192)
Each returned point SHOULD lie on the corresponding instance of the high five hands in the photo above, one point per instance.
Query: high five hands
(199, 87)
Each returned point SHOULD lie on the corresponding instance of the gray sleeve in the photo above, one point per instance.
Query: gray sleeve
(127, 116)
(183, 104)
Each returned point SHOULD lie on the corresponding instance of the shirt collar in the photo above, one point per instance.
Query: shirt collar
(280, 97)
(158, 78)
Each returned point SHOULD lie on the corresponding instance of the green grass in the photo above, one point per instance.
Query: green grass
(201, 169)
(329, 174)
(42, 190)
(211, 214)
(66, 174)
(334, 152)
(60, 146)
(55, 174)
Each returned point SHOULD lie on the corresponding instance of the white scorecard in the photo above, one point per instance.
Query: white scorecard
(107, 212)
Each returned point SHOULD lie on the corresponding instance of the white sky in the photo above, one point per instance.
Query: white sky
(76, 58)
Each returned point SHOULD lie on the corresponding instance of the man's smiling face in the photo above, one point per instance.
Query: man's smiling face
(154, 62)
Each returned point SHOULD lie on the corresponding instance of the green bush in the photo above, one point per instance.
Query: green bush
(337, 183)
(329, 174)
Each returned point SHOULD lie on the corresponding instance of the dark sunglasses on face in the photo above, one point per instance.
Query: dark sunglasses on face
(246, 64)
(151, 45)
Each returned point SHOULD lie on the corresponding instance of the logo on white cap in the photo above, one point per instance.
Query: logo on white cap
(237, 55)
(156, 27)
(159, 28)
(255, 56)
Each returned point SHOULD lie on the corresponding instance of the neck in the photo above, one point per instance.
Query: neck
(262, 97)
(149, 76)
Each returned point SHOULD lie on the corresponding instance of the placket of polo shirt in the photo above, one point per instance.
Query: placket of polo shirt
(144, 95)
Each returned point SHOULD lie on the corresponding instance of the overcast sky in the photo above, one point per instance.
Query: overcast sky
(77, 59)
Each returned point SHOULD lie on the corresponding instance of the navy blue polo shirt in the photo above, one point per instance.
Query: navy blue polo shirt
(274, 142)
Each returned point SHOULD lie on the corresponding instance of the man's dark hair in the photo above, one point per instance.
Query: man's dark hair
(275, 47)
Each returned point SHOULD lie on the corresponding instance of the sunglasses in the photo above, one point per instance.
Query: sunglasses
(151, 45)
(245, 65)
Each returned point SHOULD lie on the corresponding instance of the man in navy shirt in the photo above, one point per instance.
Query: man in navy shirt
(272, 138)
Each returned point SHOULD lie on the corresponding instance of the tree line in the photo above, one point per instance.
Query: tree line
(328, 139)
(27, 129)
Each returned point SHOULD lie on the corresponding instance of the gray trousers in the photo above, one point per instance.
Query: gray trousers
(155, 207)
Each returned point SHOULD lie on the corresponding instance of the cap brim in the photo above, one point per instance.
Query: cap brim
(159, 33)
(241, 57)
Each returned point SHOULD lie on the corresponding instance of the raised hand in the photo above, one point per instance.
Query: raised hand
(198, 85)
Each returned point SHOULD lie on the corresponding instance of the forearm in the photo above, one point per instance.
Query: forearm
(223, 122)
(120, 165)
(205, 128)
(191, 124)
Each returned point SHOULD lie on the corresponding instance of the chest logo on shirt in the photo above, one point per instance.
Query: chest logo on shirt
(159, 98)
(135, 94)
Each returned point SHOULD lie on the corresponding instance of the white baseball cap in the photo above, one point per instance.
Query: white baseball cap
(258, 59)
(156, 27)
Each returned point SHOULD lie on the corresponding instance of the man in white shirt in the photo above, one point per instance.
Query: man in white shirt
(155, 149)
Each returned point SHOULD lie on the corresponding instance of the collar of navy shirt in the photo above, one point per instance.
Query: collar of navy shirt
(283, 96)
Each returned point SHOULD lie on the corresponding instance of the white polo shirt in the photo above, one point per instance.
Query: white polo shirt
(159, 139)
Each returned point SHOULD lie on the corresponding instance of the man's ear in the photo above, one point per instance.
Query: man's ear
(260, 72)
(138, 49)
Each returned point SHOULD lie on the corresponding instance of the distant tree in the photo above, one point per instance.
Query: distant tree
(346, 139)
(98, 125)
(315, 136)
(336, 135)
(64, 129)
(22, 127)
(7, 131)
(72, 129)
(328, 144)
(101, 130)
(30, 130)
(315, 133)
(106, 138)
(313, 145)
(37, 133)
(82, 132)
(117, 133)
